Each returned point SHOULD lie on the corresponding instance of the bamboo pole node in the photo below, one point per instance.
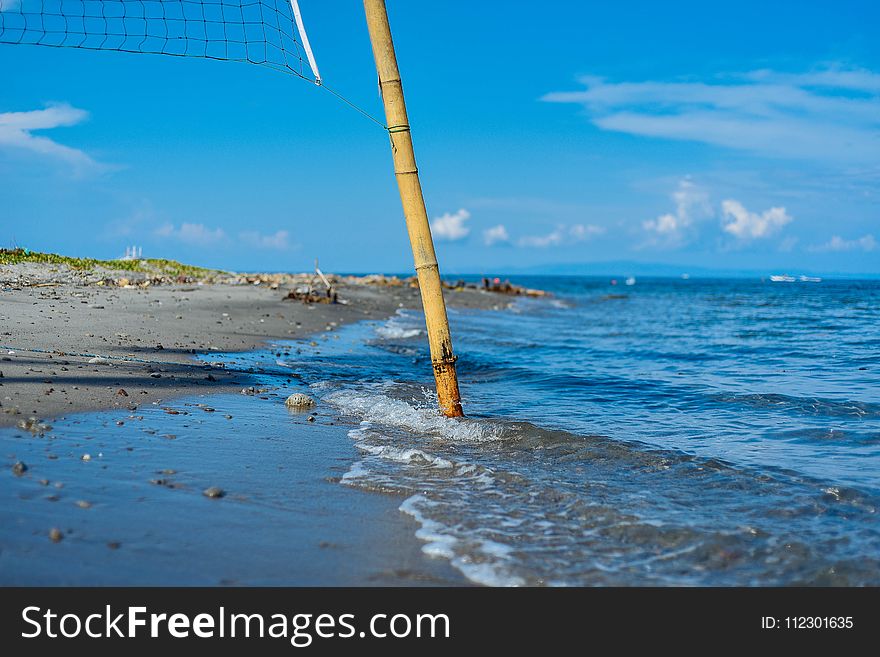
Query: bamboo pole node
(414, 211)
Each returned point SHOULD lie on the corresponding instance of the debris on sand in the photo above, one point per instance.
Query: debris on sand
(309, 294)
(498, 286)
(214, 492)
(299, 400)
(376, 279)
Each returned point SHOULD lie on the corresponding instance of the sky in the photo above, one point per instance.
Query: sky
(729, 136)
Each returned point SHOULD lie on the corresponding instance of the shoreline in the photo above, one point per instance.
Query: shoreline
(134, 512)
(70, 344)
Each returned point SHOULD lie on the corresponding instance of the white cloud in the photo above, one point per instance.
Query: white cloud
(691, 206)
(496, 235)
(745, 225)
(581, 232)
(197, 234)
(278, 240)
(561, 235)
(450, 226)
(542, 241)
(837, 243)
(831, 114)
(16, 131)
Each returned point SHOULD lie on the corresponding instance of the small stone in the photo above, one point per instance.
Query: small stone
(86, 457)
(55, 535)
(19, 468)
(121, 392)
(299, 400)
(33, 425)
(155, 375)
(214, 492)
(83, 504)
(311, 418)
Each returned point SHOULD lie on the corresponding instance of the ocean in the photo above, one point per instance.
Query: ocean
(668, 432)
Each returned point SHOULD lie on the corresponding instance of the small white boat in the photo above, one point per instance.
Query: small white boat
(809, 279)
(782, 278)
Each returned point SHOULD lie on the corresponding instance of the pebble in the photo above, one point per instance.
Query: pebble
(19, 468)
(33, 425)
(83, 504)
(299, 400)
(214, 492)
(86, 457)
(55, 535)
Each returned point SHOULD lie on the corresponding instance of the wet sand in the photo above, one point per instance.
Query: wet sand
(112, 488)
(128, 506)
(145, 338)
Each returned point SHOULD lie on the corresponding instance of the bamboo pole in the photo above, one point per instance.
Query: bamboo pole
(439, 339)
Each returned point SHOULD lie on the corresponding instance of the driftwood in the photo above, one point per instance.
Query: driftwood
(308, 294)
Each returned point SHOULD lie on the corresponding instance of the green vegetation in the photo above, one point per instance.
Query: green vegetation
(153, 266)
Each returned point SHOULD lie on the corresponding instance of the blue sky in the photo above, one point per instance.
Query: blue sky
(738, 136)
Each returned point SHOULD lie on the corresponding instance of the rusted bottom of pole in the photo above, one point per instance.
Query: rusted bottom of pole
(447, 389)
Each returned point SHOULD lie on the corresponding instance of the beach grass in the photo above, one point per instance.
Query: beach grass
(155, 266)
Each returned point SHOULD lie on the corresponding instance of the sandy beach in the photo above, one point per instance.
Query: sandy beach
(107, 451)
(68, 344)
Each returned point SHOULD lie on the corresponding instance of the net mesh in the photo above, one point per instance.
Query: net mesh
(257, 31)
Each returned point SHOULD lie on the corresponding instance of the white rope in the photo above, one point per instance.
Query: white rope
(294, 5)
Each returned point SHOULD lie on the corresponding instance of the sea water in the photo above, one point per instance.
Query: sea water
(670, 432)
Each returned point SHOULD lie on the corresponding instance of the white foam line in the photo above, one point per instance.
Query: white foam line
(440, 543)
(385, 411)
(403, 455)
